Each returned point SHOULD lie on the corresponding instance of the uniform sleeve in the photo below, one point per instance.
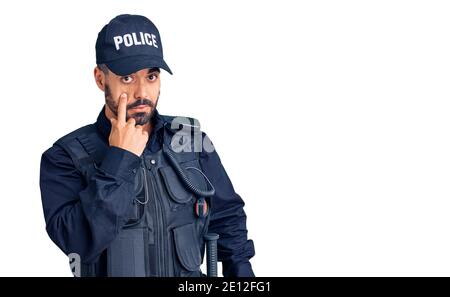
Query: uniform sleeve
(228, 219)
(85, 217)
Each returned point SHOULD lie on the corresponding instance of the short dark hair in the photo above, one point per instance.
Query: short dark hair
(103, 68)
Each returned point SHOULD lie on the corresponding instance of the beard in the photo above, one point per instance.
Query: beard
(141, 118)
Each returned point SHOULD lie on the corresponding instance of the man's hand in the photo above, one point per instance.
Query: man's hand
(126, 134)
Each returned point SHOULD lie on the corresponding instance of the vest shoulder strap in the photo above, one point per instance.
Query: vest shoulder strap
(183, 128)
(177, 123)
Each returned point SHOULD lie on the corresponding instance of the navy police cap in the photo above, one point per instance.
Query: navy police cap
(129, 43)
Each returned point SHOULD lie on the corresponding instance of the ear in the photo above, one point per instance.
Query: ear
(99, 78)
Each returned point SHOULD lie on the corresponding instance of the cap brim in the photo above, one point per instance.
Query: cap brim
(130, 65)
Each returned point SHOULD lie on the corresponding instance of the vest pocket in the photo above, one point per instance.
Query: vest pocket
(126, 254)
(187, 250)
(176, 188)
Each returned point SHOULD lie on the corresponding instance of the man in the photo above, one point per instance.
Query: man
(138, 193)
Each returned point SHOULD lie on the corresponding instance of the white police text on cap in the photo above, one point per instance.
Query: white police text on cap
(132, 39)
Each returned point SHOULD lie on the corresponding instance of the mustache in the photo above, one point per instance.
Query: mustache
(142, 101)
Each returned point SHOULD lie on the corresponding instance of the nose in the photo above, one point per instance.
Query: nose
(140, 91)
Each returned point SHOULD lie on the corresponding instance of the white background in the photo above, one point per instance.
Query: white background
(330, 117)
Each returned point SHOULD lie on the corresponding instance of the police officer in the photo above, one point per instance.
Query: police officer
(138, 193)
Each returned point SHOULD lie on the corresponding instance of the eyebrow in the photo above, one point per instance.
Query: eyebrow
(151, 70)
(154, 69)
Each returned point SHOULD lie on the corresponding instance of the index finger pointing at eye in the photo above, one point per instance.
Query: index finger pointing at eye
(122, 109)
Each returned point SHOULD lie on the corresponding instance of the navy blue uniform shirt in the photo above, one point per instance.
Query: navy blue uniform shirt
(85, 217)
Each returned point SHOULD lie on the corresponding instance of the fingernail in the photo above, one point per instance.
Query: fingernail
(124, 95)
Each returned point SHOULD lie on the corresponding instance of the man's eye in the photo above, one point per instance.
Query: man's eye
(152, 77)
(127, 79)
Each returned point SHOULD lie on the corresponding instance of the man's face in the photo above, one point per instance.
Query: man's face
(141, 87)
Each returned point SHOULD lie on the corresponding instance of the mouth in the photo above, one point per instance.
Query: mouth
(140, 107)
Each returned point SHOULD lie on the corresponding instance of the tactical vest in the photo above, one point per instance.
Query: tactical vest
(165, 234)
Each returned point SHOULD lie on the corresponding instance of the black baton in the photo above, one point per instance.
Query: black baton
(211, 254)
